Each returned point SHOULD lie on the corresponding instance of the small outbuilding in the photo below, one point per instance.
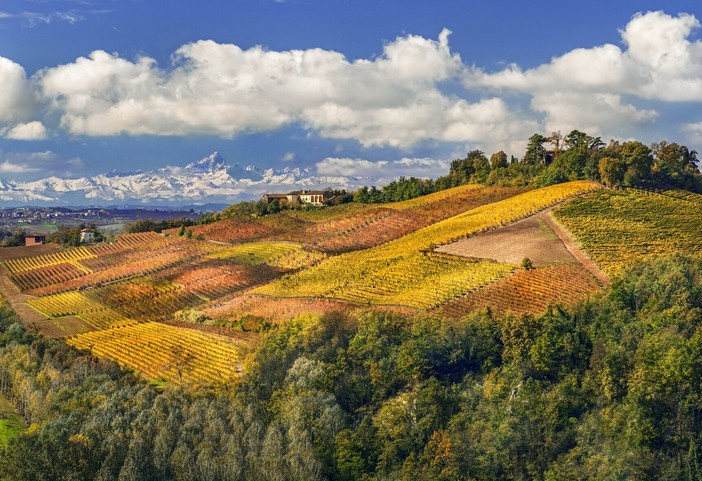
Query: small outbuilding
(87, 236)
(268, 198)
(34, 239)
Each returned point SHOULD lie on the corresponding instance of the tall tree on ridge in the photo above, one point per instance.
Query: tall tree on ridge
(535, 152)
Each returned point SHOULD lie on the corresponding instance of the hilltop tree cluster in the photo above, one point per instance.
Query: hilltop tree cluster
(70, 236)
(148, 225)
(555, 159)
(259, 208)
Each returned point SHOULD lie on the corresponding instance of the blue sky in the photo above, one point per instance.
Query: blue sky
(341, 87)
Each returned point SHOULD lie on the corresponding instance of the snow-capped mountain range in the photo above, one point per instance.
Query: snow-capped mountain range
(209, 179)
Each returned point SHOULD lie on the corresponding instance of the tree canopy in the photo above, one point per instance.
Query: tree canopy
(575, 156)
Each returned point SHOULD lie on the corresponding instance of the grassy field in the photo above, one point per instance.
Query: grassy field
(10, 422)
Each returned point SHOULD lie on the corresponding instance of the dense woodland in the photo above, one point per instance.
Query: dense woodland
(608, 391)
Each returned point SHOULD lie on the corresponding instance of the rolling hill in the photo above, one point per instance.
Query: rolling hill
(186, 308)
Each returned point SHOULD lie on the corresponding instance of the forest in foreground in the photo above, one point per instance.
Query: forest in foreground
(606, 390)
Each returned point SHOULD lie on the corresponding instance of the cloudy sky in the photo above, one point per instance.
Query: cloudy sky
(344, 87)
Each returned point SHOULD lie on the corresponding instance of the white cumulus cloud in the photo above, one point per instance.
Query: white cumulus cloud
(17, 100)
(408, 94)
(221, 89)
(595, 113)
(665, 64)
(596, 88)
(34, 130)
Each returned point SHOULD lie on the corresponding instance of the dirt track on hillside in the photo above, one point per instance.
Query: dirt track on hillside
(572, 247)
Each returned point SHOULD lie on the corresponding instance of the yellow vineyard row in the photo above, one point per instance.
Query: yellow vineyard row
(623, 227)
(286, 255)
(36, 262)
(159, 351)
(78, 304)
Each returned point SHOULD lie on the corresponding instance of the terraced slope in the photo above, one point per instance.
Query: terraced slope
(527, 292)
(285, 255)
(142, 278)
(351, 227)
(406, 272)
(376, 225)
(162, 352)
(77, 268)
(619, 228)
(253, 273)
(238, 230)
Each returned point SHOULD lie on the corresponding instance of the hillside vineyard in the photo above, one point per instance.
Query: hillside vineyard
(356, 256)
(148, 300)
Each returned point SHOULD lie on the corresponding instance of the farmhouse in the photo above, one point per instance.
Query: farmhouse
(268, 198)
(34, 239)
(87, 235)
(312, 197)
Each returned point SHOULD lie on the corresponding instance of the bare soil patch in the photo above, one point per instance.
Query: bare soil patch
(531, 237)
(28, 315)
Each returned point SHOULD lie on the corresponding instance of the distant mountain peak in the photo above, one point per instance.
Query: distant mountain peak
(212, 162)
